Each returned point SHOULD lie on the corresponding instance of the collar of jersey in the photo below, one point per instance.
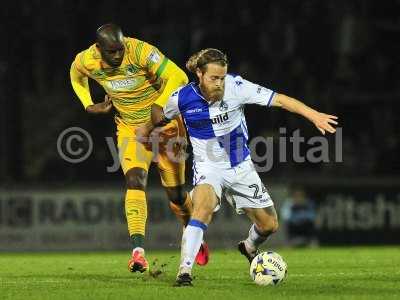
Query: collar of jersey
(196, 89)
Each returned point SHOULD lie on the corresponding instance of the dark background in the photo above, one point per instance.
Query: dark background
(341, 57)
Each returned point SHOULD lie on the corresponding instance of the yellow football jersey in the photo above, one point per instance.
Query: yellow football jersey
(134, 85)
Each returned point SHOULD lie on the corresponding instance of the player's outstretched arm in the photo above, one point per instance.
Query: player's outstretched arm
(322, 121)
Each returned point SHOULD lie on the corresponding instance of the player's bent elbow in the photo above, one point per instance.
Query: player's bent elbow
(183, 77)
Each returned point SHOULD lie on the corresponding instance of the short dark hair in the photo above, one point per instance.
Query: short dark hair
(108, 32)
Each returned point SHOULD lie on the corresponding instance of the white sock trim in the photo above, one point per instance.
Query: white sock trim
(140, 249)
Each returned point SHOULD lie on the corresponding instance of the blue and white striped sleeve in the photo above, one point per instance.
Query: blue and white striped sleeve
(171, 109)
(252, 93)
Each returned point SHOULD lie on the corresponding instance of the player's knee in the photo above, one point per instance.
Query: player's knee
(136, 179)
(176, 194)
(207, 209)
(204, 212)
(268, 226)
(204, 198)
(275, 225)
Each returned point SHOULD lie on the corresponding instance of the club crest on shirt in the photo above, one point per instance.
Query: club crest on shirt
(131, 70)
(223, 106)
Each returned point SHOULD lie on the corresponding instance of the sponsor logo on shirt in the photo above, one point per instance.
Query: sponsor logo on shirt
(220, 118)
(199, 123)
(122, 84)
(206, 122)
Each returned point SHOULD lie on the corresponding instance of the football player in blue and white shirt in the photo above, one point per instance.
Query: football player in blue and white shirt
(214, 117)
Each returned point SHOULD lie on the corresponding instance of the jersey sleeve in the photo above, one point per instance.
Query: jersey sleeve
(150, 58)
(79, 81)
(171, 109)
(252, 93)
(78, 64)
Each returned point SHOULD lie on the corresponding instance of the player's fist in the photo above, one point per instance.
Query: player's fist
(102, 107)
(142, 133)
(107, 104)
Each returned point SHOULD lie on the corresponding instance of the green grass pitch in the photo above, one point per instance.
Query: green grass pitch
(324, 273)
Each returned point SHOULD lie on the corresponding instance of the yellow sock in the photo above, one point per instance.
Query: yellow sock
(183, 212)
(136, 211)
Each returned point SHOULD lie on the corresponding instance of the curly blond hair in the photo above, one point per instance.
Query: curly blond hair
(203, 57)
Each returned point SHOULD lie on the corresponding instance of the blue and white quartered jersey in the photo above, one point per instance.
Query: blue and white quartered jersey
(218, 131)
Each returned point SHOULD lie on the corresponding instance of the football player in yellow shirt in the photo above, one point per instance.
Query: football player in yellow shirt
(135, 75)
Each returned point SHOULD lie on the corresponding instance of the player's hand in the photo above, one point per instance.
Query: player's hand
(143, 132)
(325, 122)
(102, 107)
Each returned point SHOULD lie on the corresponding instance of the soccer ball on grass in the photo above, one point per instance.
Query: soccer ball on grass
(268, 268)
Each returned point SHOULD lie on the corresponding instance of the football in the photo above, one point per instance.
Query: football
(268, 268)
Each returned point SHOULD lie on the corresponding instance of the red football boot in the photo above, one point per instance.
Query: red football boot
(137, 263)
(203, 255)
